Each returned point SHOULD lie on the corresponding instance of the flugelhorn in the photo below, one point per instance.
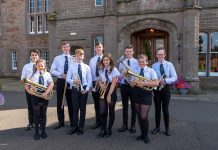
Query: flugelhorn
(35, 89)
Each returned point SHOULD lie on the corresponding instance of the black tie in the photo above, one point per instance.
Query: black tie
(142, 72)
(97, 73)
(41, 79)
(80, 72)
(162, 72)
(106, 75)
(128, 62)
(66, 65)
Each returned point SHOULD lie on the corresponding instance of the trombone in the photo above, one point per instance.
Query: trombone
(37, 89)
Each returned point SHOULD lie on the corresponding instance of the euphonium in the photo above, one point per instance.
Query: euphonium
(35, 88)
(127, 72)
(102, 92)
(138, 77)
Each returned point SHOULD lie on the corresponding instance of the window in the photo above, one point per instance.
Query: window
(214, 54)
(97, 39)
(98, 2)
(203, 46)
(14, 60)
(37, 16)
(208, 54)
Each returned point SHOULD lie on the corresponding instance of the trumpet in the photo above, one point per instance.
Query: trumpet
(96, 88)
(162, 84)
(78, 87)
(37, 89)
(102, 92)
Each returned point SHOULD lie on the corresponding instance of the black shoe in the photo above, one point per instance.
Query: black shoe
(123, 128)
(139, 138)
(36, 136)
(73, 130)
(155, 131)
(146, 140)
(44, 135)
(59, 126)
(29, 126)
(80, 131)
(132, 129)
(96, 125)
(167, 132)
(108, 134)
(101, 134)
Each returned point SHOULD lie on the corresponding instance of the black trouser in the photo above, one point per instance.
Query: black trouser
(126, 95)
(95, 96)
(40, 109)
(162, 98)
(30, 108)
(79, 104)
(60, 111)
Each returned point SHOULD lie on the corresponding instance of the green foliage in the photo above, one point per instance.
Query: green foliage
(147, 48)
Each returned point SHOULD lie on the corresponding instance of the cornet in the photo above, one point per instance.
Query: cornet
(35, 88)
(76, 86)
(162, 84)
(96, 88)
(102, 92)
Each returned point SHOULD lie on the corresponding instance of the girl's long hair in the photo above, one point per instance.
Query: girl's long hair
(101, 64)
(38, 61)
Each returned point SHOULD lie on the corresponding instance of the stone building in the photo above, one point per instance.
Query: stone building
(188, 29)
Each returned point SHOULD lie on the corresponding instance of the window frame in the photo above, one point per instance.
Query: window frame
(14, 63)
(101, 1)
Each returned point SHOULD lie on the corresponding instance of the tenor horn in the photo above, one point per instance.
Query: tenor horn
(37, 89)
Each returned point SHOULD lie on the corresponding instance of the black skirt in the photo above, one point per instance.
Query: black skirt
(113, 95)
(142, 96)
(38, 101)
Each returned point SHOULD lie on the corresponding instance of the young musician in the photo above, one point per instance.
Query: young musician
(80, 78)
(142, 97)
(40, 104)
(107, 82)
(26, 73)
(166, 70)
(126, 90)
(59, 69)
(95, 74)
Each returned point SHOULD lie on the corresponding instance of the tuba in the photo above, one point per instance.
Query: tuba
(127, 72)
(35, 89)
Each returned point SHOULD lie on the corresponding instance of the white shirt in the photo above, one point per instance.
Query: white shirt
(92, 65)
(148, 72)
(113, 73)
(46, 75)
(86, 75)
(57, 67)
(27, 70)
(169, 69)
(133, 66)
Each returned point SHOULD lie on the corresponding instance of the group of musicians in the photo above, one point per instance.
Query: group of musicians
(75, 79)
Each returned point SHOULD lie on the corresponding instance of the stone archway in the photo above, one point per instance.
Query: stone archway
(159, 24)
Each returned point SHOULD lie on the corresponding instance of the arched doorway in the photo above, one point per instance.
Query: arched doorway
(73, 48)
(147, 41)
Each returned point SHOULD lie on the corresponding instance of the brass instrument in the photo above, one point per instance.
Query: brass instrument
(127, 72)
(96, 88)
(35, 88)
(78, 87)
(102, 92)
(162, 84)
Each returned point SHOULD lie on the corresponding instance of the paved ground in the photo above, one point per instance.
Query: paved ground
(194, 124)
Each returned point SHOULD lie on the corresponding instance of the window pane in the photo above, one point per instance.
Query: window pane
(14, 60)
(39, 24)
(46, 23)
(31, 6)
(47, 5)
(47, 58)
(39, 6)
(202, 62)
(31, 24)
(98, 2)
(214, 54)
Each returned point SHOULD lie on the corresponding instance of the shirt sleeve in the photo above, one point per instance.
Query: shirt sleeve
(115, 73)
(69, 78)
(173, 75)
(50, 80)
(54, 69)
(153, 75)
(23, 74)
(89, 78)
